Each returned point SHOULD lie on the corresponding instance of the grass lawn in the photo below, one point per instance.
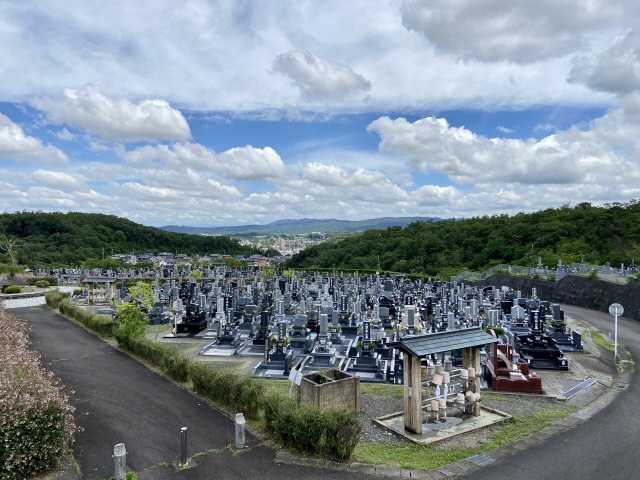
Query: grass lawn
(428, 457)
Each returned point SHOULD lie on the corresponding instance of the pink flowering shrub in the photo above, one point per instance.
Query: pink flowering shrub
(36, 421)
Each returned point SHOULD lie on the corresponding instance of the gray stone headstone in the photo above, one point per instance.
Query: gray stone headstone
(324, 320)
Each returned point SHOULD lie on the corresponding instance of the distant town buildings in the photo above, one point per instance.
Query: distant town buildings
(285, 244)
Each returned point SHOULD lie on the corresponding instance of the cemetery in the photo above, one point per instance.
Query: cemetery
(446, 343)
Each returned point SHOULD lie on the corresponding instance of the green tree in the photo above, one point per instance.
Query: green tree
(11, 269)
(196, 275)
(142, 294)
(132, 321)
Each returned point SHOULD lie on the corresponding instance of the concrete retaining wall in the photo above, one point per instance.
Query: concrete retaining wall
(578, 291)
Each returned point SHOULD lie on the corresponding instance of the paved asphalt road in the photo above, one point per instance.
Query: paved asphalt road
(605, 446)
(119, 400)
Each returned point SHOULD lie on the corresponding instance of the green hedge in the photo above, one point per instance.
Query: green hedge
(330, 433)
(75, 312)
(51, 280)
(164, 356)
(54, 298)
(103, 325)
(239, 392)
(12, 289)
(36, 422)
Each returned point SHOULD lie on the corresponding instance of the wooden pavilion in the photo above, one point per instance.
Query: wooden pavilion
(415, 348)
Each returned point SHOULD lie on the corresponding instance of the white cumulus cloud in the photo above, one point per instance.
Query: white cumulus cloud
(119, 120)
(15, 144)
(465, 157)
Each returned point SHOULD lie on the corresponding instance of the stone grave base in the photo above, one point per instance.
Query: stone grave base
(453, 425)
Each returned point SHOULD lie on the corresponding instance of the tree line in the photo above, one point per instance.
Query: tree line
(595, 234)
(71, 239)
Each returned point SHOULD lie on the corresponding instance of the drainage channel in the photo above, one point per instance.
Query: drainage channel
(581, 386)
(481, 460)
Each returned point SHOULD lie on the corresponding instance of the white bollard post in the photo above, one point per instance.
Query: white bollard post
(120, 462)
(240, 430)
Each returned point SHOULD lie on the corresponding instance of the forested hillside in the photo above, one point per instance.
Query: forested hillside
(302, 226)
(597, 234)
(45, 239)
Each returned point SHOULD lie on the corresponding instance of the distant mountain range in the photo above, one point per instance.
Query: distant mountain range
(303, 225)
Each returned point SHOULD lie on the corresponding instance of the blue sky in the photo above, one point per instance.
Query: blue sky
(212, 113)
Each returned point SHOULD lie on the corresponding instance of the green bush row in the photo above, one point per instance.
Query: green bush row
(330, 433)
(54, 298)
(103, 325)
(36, 422)
(165, 357)
(51, 280)
(242, 393)
(12, 289)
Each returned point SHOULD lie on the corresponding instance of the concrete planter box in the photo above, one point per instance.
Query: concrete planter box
(343, 391)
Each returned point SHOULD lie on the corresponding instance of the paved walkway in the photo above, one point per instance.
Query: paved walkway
(118, 400)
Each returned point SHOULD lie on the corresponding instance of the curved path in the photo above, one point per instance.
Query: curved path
(119, 400)
(605, 446)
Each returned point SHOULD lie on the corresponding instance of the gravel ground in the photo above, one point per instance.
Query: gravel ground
(373, 406)
(32, 301)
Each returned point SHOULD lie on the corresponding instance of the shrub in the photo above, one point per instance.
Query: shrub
(330, 433)
(132, 320)
(42, 284)
(103, 325)
(242, 393)
(12, 289)
(51, 280)
(54, 298)
(165, 357)
(36, 422)
(75, 312)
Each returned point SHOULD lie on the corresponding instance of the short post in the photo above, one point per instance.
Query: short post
(183, 446)
(120, 462)
(240, 430)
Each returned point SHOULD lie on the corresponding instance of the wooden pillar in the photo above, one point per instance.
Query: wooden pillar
(412, 394)
(90, 294)
(475, 361)
(471, 358)
(466, 358)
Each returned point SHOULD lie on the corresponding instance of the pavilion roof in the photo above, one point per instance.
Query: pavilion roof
(430, 343)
